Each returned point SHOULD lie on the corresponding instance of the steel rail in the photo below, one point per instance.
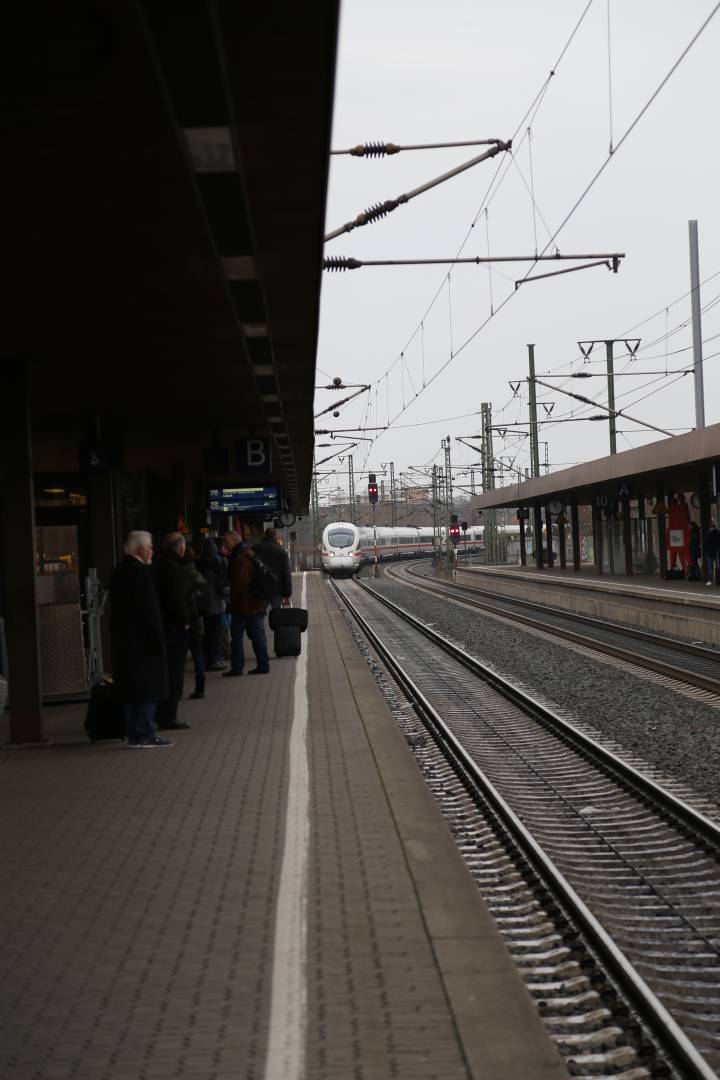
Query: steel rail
(660, 1021)
(661, 667)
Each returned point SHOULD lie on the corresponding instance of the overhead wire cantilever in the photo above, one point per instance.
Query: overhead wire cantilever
(380, 210)
(340, 262)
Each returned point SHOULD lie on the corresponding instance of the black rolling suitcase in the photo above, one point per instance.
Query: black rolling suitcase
(105, 716)
(288, 624)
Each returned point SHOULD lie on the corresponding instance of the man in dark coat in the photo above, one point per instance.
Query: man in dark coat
(214, 569)
(277, 559)
(711, 547)
(247, 610)
(138, 642)
(177, 605)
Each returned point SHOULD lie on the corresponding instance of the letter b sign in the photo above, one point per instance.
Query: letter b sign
(253, 455)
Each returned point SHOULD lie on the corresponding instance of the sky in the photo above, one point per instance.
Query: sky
(434, 342)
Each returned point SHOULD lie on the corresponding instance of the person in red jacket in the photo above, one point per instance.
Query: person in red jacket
(247, 611)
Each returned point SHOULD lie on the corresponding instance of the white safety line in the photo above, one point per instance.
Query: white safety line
(288, 1006)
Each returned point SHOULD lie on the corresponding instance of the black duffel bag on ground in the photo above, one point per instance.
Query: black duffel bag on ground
(288, 616)
(105, 717)
(287, 624)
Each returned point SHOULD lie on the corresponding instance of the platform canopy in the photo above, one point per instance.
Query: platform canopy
(681, 463)
(164, 182)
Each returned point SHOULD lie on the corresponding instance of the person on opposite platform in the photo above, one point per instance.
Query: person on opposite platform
(140, 676)
(274, 555)
(695, 552)
(711, 547)
(177, 605)
(247, 611)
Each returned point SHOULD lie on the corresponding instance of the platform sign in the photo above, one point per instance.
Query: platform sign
(261, 499)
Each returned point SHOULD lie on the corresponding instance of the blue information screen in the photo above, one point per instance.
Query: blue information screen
(245, 500)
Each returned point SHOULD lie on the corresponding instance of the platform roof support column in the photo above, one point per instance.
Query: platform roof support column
(523, 551)
(575, 526)
(703, 487)
(561, 545)
(598, 537)
(627, 534)
(538, 536)
(17, 523)
(548, 533)
(103, 540)
(662, 549)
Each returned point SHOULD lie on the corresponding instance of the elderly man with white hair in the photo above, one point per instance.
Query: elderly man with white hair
(138, 643)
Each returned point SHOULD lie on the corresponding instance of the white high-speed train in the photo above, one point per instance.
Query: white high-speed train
(345, 547)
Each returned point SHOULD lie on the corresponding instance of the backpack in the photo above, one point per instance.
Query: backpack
(264, 582)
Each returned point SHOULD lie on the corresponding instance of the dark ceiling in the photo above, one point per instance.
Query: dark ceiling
(164, 190)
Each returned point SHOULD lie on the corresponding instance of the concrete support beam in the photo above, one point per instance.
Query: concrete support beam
(537, 536)
(575, 526)
(17, 529)
(103, 538)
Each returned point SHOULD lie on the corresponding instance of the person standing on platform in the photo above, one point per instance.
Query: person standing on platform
(711, 547)
(694, 550)
(214, 569)
(177, 605)
(274, 555)
(140, 678)
(247, 611)
(201, 593)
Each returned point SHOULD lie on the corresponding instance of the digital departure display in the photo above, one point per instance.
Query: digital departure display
(245, 500)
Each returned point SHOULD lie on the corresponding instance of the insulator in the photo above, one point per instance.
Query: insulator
(582, 375)
(375, 213)
(599, 416)
(374, 149)
(339, 262)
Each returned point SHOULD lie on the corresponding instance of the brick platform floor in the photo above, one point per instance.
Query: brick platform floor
(137, 914)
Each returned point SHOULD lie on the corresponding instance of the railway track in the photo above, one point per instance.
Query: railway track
(636, 870)
(694, 665)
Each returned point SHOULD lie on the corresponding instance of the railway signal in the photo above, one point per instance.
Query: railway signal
(454, 529)
(372, 488)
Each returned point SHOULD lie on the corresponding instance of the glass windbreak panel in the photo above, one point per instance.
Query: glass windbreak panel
(341, 538)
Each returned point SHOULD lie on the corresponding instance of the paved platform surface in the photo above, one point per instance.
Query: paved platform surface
(275, 897)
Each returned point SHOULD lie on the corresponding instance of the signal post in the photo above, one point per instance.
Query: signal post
(372, 499)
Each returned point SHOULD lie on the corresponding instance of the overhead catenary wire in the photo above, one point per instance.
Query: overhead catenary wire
(588, 187)
(527, 118)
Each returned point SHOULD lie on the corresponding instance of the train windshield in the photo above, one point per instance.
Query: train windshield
(341, 538)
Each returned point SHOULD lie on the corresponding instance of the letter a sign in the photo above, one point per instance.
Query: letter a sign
(253, 455)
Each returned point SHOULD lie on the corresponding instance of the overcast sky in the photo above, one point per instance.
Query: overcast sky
(414, 71)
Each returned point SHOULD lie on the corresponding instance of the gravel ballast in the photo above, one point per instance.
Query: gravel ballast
(667, 728)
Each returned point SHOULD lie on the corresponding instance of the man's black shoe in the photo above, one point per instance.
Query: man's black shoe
(215, 667)
(259, 671)
(179, 725)
(197, 694)
(231, 674)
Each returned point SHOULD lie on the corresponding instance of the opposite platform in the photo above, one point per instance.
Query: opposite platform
(277, 896)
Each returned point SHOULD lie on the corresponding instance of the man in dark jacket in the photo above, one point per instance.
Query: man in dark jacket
(138, 642)
(214, 569)
(247, 610)
(177, 604)
(711, 547)
(276, 558)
